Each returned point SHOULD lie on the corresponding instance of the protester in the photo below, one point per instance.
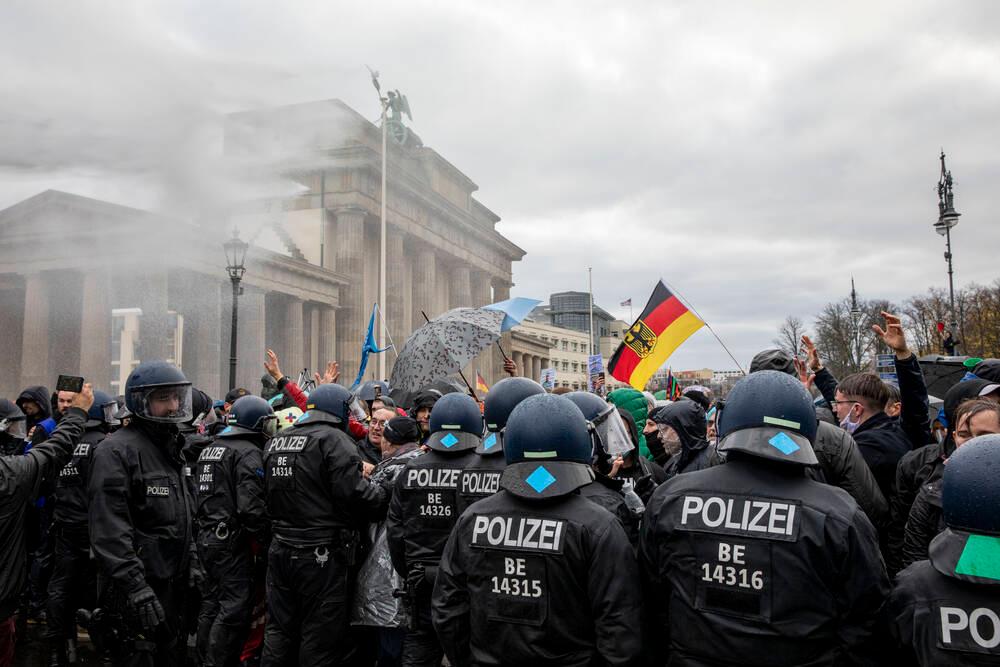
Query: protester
(372, 446)
(423, 404)
(569, 594)
(425, 505)
(943, 611)
(231, 522)
(633, 402)
(752, 558)
(682, 428)
(20, 478)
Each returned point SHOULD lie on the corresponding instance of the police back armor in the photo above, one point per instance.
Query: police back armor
(229, 478)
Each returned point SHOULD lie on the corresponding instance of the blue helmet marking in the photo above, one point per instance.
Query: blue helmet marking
(540, 479)
(449, 440)
(784, 444)
(490, 441)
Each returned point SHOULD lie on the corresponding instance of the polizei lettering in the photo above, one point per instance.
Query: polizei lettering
(432, 478)
(83, 449)
(161, 491)
(480, 482)
(212, 454)
(287, 443)
(518, 533)
(747, 517)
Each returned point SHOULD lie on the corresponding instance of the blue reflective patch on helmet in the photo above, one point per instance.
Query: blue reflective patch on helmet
(540, 479)
(490, 441)
(784, 444)
(449, 440)
(228, 429)
(304, 417)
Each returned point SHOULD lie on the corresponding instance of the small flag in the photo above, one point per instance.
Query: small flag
(481, 385)
(627, 302)
(662, 326)
(367, 347)
(674, 392)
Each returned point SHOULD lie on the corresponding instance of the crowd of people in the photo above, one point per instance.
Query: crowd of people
(800, 520)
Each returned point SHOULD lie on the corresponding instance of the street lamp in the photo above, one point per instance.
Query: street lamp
(947, 218)
(236, 254)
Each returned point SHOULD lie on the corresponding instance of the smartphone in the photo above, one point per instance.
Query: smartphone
(70, 383)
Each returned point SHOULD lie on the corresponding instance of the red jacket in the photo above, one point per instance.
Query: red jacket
(356, 429)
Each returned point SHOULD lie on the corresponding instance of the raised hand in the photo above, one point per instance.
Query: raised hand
(812, 354)
(805, 377)
(331, 375)
(271, 365)
(893, 335)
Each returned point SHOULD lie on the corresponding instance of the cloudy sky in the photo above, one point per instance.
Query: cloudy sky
(754, 155)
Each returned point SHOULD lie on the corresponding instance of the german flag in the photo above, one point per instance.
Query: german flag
(481, 385)
(662, 326)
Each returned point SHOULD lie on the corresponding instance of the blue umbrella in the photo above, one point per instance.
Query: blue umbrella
(514, 310)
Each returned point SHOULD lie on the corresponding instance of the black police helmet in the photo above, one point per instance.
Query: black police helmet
(329, 403)
(548, 448)
(970, 494)
(373, 389)
(455, 424)
(773, 360)
(102, 411)
(250, 415)
(13, 421)
(769, 415)
(593, 407)
(504, 397)
(157, 391)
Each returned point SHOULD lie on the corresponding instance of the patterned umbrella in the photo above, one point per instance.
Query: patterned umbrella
(443, 346)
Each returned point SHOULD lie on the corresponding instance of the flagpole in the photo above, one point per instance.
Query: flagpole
(590, 280)
(381, 249)
(707, 325)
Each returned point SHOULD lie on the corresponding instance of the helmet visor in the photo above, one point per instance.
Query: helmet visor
(15, 428)
(358, 411)
(167, 404)
(109, 410)
(268, 425)
(206, 420)
(613, 434)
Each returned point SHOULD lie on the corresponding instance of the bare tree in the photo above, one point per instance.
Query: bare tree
(790, 333)
(845, 338)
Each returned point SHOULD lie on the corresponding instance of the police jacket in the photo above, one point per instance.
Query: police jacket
(940, 614)
(70, 511)
(20, 478)
(424, 507)
(316, 493)
(480, 479)
(753, 561)
(140, 506)
(914, 470)
(543, 582)
(229, 478)
(607, 493)
(925, 522)
(843, 466)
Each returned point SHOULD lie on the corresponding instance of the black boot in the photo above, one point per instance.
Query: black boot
(72, 658)
(57, 656)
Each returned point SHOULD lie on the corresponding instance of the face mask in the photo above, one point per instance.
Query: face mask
(847, 424)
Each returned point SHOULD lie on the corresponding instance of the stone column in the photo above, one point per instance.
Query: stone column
(327, 349)
(395, 296)
(95, 328)
(250, 340)
(536, 367)
(36, 332)
(349, 260)
(461, 288)
(294, 337)
(480, 287)
(518, 359)
(424, 286)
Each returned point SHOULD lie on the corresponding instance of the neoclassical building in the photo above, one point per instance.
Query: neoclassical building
(92, 287)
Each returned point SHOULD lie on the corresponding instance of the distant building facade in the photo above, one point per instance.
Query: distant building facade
(568, 351)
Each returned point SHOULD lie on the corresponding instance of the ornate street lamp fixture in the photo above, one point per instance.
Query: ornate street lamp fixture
(947, 218)
(236, 254)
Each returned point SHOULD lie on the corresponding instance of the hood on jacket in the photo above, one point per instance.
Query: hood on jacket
(634, 402)
(687, 418)
(39, 395)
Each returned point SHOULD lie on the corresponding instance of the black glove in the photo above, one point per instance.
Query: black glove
(147, 608)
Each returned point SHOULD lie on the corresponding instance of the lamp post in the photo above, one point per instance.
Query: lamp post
(384, 103)
(236, 253)
(947, 218)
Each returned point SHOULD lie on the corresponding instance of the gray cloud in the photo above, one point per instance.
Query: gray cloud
(754, 156)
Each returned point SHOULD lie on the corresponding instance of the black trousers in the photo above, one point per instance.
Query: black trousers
(166, 646)
(73, 584)
(421, 647)
(308, 607)
(228, 603)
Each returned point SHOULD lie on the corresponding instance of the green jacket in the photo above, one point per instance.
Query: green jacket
(635, 402)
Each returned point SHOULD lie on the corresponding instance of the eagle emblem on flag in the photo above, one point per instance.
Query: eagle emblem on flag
(640, 339)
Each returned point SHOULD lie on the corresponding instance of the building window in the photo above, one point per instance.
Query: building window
(576, 348)
(576, 367)
(565, 365)
(565, 344)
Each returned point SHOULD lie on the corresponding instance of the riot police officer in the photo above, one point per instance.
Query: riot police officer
(481, 477)
(140, 517)
(318, 502)
(946, 610)
(611, 440)
(424, 508)
(752, 558)
(231, 517)
(537, 574)
(73, 581)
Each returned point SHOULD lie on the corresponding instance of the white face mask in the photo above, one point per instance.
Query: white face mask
(847, 424)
